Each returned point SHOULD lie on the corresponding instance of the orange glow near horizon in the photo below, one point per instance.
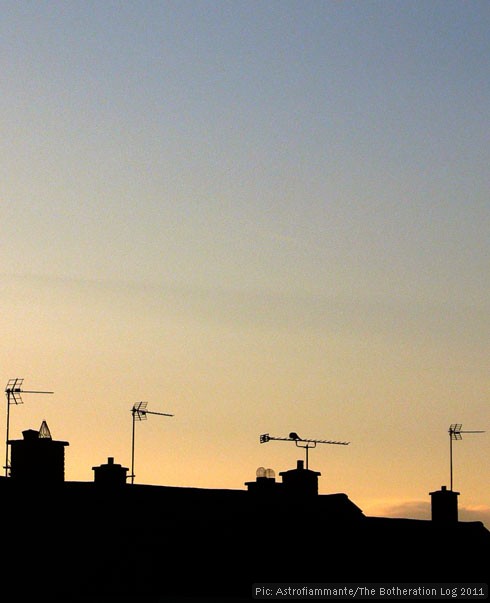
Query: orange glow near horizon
(264, 219)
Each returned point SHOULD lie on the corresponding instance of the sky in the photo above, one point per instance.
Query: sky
(259, 217)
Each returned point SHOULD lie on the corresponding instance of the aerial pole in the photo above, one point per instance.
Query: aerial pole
(140, 413)
(300, 442)
(455, 434)
(13, 391)
(134, 413)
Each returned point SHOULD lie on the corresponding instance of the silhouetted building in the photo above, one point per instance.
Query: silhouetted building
(444, 505)
(265, 483)
(134, 542)
(110, 474)
(300, 481)
(37, 458)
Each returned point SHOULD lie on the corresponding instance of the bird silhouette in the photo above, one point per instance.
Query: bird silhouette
(294, 436)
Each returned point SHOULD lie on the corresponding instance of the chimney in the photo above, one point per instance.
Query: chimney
(265, 483)
(37, 458)
(444, 505)
(110, 474)
(300, 482)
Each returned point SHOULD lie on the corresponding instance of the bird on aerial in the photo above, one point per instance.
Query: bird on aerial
(294, 436)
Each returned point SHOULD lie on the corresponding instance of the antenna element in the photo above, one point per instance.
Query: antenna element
(455, 434)
(13, 391)
(294, 437)
(140, 413)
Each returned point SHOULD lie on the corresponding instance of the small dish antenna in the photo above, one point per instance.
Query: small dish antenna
(263, 472)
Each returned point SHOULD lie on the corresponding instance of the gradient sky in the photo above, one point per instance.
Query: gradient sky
(262, 217)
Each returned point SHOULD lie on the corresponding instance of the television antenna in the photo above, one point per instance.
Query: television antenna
(13, 391)
(305, 443)
(140, 413)
(455, 432)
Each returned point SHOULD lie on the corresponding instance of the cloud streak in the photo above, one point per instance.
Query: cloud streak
(420, 509)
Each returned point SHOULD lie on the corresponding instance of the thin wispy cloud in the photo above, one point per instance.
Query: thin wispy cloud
(420, 509)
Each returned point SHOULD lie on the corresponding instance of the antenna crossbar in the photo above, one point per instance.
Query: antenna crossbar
(140, 413)
(455, 432)
(266, 437)
(162, 414)
(300, 442)
(13, 391)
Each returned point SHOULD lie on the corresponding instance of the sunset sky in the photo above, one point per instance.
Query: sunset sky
(260, 217)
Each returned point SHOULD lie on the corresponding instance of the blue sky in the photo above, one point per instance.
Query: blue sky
(262, 216)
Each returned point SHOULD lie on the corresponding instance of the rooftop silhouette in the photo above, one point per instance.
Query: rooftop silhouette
(84, 541)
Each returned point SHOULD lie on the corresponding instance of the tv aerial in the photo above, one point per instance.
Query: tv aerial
(300, 442)
(455, 432)
(140, 413)
(13, 391)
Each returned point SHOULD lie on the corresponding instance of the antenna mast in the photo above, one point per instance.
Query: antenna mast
(307, 444)
(455, 434)
(13, 391)
(140, 413)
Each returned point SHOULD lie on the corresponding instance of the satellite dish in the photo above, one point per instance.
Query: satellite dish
(260, 472)
(270, 473)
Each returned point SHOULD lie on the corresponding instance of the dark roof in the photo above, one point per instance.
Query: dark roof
(143, 539)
